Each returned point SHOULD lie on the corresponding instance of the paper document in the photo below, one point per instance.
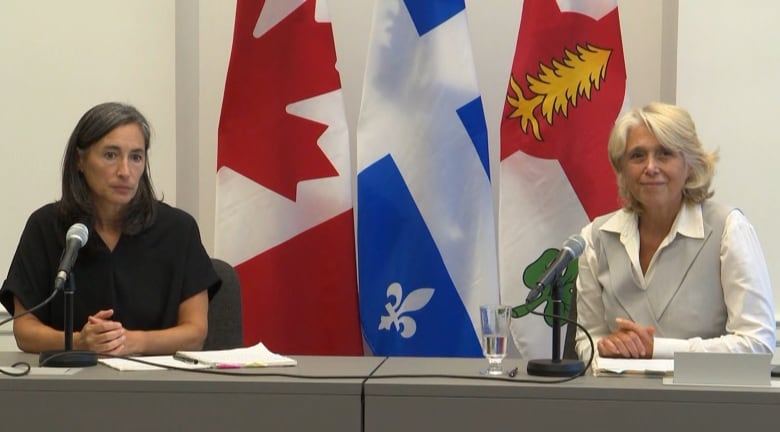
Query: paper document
(254, 356)
(634, 366)
(164, 362)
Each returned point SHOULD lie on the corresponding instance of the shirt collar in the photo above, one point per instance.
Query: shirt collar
(689, 222)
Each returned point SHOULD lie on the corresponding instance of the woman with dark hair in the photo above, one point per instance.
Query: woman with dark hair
(142, 280)
(672, 270)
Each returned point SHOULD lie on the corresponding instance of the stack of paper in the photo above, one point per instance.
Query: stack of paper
(634, 366)
(161, 362)
(254, 356)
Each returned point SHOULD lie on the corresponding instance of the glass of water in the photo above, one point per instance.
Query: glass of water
(495, 329)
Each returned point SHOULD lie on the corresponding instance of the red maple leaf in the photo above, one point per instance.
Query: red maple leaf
(295, 60)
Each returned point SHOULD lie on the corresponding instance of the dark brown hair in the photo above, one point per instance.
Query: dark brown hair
(76, 202)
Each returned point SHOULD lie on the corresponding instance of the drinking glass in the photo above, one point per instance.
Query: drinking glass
(495, 329)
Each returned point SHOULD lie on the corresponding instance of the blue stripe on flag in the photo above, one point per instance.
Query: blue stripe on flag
(428, 14)
(472, 116)
(408, 302)
(426, 238)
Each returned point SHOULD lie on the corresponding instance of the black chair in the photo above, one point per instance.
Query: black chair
(225, 327)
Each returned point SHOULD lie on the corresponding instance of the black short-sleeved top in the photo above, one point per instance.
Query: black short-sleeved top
(144, 279)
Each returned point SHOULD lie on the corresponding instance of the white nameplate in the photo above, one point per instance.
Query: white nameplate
(741, 369)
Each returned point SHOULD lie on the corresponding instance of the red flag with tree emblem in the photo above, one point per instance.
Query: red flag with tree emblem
(566, 88)
(284, 197)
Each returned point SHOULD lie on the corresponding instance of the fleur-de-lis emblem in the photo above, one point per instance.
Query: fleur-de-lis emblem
(398, 306)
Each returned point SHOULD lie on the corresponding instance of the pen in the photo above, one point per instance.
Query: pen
(184, 359)
(513, 373)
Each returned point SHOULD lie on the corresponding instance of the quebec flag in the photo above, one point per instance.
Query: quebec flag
(426, 237)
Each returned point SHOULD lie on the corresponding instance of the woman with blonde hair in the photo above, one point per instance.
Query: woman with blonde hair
(672, 270)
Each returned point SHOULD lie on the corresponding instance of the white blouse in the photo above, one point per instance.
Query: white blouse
(747, 292)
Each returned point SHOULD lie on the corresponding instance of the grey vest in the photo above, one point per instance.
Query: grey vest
(685, 297)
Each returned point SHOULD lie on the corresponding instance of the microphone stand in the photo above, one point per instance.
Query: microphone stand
(68, 357)
(555, 366)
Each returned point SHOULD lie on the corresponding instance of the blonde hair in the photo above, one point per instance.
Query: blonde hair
(674, 129)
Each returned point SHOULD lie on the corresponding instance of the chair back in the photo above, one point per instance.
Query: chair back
(225, 316)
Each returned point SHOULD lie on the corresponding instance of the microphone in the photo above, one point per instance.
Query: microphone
(572, 248)
(556, 366)
(75, 239)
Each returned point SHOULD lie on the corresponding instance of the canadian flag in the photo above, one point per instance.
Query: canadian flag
(284, 201)
(566, 88)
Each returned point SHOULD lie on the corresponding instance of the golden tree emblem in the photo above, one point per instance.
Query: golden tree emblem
(558, 85)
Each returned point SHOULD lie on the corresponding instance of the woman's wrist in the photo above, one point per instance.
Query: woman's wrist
(135, 342)
(78, 341)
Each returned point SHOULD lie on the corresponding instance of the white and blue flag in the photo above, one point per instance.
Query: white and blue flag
(426, 236)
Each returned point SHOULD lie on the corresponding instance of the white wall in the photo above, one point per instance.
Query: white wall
(58, 60)
(728, 65)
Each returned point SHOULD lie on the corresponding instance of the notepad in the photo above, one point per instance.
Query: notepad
(254, 356)
(150, 363)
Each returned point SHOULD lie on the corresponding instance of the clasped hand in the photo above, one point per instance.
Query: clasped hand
(630, 340)
(102, 335)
